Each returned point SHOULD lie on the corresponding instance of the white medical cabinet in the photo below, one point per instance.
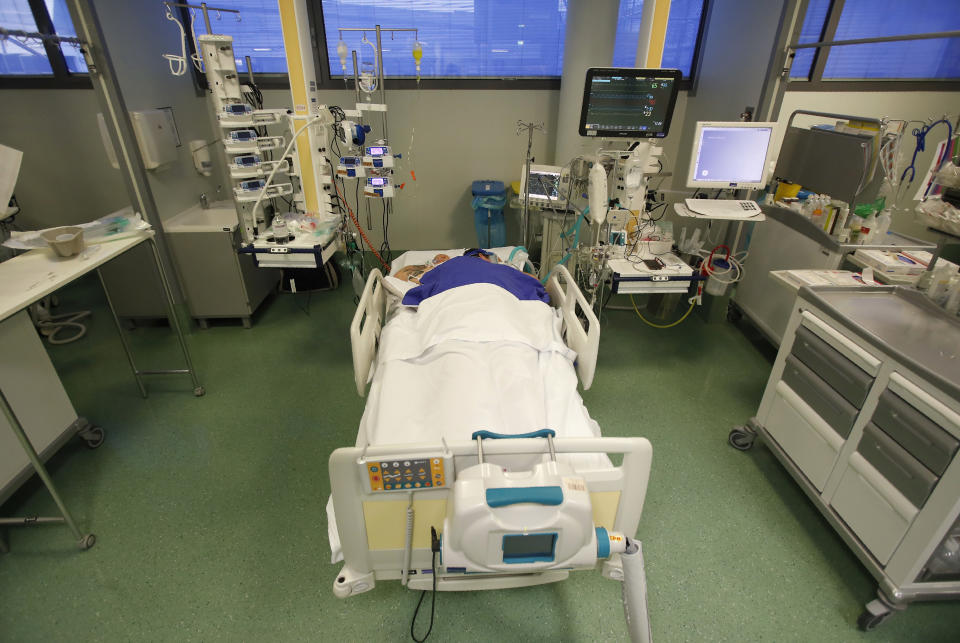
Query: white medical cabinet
(863, 409)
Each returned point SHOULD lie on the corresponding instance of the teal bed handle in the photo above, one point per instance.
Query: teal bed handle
(490, 435)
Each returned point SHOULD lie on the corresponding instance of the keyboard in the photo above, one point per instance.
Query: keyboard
(723, 208)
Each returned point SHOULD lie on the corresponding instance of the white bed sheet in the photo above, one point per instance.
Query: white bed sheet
(473, 358)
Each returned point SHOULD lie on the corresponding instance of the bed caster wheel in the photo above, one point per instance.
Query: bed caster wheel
(87, 542)
(741, 439)
(733, 314)
(199, 391)
(868, 621)
(94, 437)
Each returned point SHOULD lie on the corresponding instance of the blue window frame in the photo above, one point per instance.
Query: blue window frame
(35, 62)
(916, 60)
(460, 38)
(63, 25)
(680, 44)
(812, 31)
(257, 33)
(469, 39)
(20, 57)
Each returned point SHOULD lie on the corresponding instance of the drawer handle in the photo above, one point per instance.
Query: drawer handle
(893, 462)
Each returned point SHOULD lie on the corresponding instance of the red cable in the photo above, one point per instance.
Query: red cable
(359, 229)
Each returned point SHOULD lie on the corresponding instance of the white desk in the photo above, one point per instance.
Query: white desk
(32, 399)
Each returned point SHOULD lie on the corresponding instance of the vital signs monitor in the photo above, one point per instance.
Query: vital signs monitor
(628, 103)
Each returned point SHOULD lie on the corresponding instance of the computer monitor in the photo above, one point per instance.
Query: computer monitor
(628, 103)
(730, 155)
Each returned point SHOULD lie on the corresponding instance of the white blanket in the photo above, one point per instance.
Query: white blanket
(471, 358)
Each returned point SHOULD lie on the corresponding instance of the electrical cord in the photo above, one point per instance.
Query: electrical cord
(266, 184)
(435, 548)
(362, 233)
(649, 323)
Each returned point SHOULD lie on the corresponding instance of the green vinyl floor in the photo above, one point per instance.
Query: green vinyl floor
(209, 512)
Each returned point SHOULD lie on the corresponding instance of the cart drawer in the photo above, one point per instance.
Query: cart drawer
(872, 508)
(823, 399)
(915, 432)
(805, 437)
(850, 380)
(903, 471)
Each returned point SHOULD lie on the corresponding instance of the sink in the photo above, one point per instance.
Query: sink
(220, 216)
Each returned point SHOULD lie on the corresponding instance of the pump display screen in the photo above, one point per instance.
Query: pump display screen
(375, 151)
(545, 185)
(377, 181)
(243, 135)
(529, 548)
(634, 103)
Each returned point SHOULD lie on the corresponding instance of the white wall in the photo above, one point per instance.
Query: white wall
(459, 136)
(899, 105)
(66, 177)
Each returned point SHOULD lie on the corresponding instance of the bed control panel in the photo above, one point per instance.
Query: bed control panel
(406, 473)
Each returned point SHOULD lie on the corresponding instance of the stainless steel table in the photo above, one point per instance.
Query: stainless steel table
(32, 399)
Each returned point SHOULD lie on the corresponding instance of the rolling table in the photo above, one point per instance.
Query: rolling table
(32, 399)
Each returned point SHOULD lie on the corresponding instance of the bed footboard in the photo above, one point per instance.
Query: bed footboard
(581, 333)
(376, 526)
(365, 329)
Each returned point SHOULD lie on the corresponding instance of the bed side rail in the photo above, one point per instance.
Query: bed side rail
(565, 295)
(365, 329)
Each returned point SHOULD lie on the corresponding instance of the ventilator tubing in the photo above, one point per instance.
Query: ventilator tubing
(635, 593)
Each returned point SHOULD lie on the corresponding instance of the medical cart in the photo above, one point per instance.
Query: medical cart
(862, 408)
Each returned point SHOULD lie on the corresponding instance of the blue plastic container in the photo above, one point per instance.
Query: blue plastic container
(489, 197)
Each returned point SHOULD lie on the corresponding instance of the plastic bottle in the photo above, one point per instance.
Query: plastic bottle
(943, 277)
(816, 210)
(884, 219)
(279, 229)
(854, 229)
(862, 223)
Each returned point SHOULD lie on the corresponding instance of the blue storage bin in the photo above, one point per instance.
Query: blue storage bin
(489, 197)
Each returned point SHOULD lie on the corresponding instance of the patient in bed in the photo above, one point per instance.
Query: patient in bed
(476, 266)
(415, 272)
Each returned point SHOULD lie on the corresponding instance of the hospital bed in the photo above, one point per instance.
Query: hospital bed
(476, 464)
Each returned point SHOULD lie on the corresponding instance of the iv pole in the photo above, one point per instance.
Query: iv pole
(525, 217)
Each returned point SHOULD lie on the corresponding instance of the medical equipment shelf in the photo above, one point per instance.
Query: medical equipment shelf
(305, 250)
(786, 241)
(862, 408)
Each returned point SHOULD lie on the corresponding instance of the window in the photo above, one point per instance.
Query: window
(256, 34)
(460, 38)
(914, 60)
(812, 31)
(680, 44)
(491, 38)
(32, 59)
